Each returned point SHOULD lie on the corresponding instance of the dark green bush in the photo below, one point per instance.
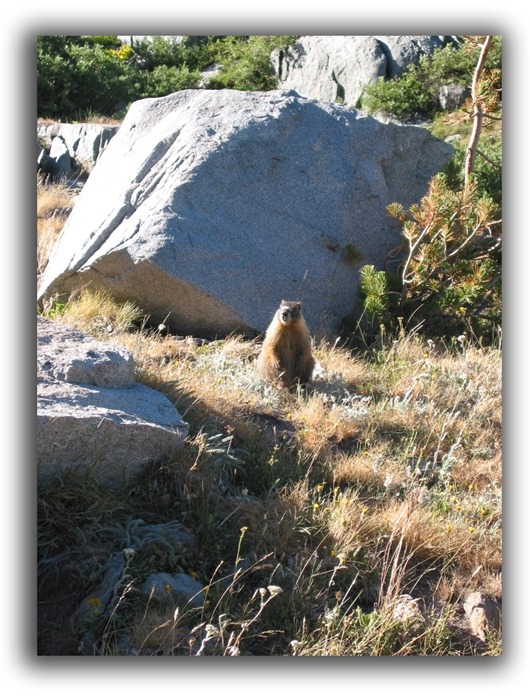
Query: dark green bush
(103, 81)
(155, 52)
(403, 98)
(246, 62)
(55, 75)
(164, 79)
(79, 76)
(76, 77)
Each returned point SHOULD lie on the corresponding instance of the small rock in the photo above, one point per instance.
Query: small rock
(452, 96)
(405, 609)
(483, 614)
(161, 586)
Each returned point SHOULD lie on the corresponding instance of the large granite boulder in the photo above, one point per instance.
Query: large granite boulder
(92, 415)
(210, 207)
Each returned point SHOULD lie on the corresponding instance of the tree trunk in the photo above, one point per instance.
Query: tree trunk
(478, 112)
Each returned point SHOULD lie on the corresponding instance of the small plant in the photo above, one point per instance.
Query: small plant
(374, 294)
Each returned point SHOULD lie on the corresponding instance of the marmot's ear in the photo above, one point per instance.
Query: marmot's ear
(299, 306)
(282, 302)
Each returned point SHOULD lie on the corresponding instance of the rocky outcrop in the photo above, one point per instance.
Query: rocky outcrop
(338, 68)
(91, 413)
(83, 144)
(210, 207)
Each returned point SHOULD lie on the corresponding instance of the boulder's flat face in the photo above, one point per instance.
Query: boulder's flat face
(92, 415)
(209, 207)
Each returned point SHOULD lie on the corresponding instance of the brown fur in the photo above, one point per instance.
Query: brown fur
(286, 351)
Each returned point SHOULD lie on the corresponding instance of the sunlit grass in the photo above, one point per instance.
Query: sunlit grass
(381, 481)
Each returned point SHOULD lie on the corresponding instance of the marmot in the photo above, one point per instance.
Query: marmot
(286, 351)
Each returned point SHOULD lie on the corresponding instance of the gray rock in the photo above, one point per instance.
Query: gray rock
(402, 51)
(483, 614)
(330, 68)
(59, 160)
(106, 424)
(338, 68)
(163, 586)
(452, 96)
(208, 73)
(210, 207)
(405, 608)
(44, 162)
(70, 355)
(85, 142)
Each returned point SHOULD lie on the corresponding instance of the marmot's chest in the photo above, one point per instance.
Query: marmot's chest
(289, 341)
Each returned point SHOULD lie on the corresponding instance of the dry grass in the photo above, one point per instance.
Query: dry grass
(54, 203)
(382, 480)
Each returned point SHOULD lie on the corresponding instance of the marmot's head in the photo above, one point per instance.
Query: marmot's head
(289, 311)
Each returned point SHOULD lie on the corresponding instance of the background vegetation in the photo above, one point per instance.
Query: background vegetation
(352, 519)
(79, 77)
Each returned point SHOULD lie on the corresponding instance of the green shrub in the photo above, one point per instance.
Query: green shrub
(373, 288)
(76, 76)
(82, 75)
(402, 98)
(165, 79)
(246, 62)
(448, 64)
(451, 271)
(55, 75)
(103, 81)
(488, 168)
(155, 52)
